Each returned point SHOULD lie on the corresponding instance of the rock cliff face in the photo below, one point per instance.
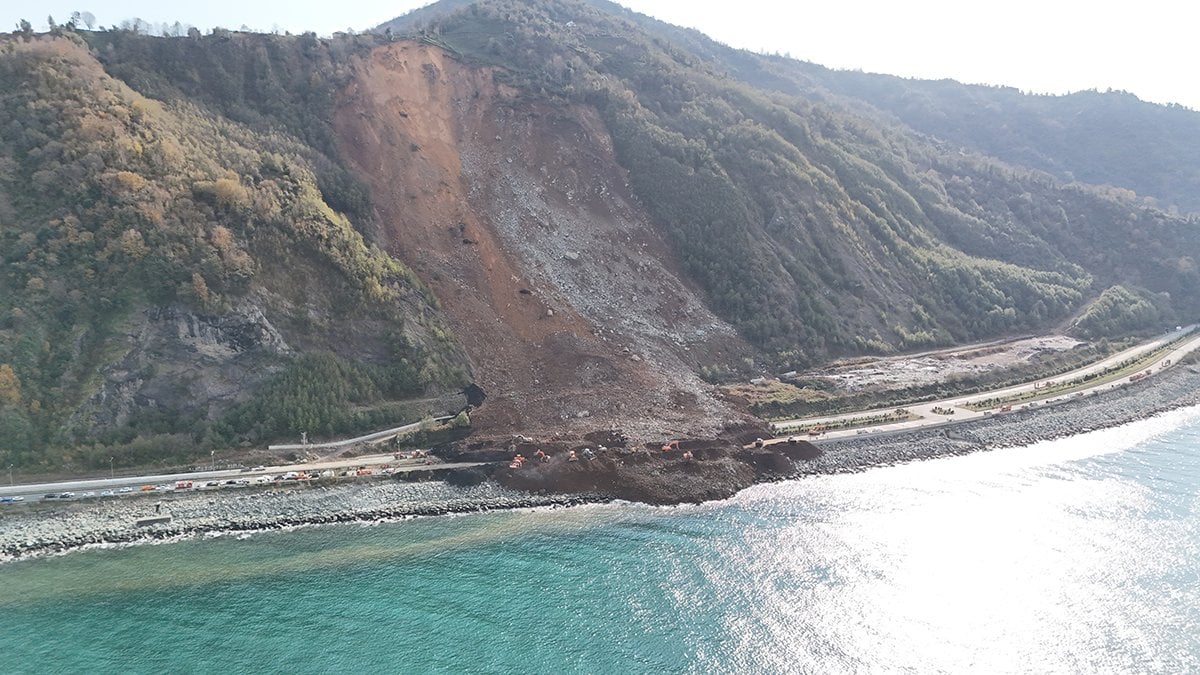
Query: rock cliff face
(517, 214)
(176, 362)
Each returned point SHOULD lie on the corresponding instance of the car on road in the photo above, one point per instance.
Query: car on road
(125, 489)
(106, 493)
(66, 495)
(87, 495)
(259, 468)
(52, 495)
(11, 500)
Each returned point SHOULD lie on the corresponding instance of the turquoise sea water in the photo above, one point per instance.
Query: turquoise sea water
(1080, 555)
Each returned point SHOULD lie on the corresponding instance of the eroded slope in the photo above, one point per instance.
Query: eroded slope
(517, 214)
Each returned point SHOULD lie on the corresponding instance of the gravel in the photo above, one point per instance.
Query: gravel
(36, 530)
(1173, 389)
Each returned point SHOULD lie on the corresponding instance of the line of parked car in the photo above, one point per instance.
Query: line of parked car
(67, 496)
(62, 496)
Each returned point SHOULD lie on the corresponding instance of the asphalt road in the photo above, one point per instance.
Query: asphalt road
(925, 416)
(35, 491)
(374, 437)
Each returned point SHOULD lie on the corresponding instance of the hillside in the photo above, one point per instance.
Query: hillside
(815, 227)
(1099, 138)
(1109, 138)
(218, 240)
(173, 281)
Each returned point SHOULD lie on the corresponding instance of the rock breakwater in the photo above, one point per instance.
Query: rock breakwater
(1172, 389)
(35, 531)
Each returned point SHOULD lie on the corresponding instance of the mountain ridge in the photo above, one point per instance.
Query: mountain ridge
(581, 211)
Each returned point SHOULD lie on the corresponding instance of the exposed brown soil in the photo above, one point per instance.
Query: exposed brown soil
(517, 215)
(713, 469)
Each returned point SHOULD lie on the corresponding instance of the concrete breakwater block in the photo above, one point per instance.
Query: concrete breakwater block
(143, 522)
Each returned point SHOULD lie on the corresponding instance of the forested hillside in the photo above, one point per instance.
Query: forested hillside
(174, 280)
(217, 240)
(814, 226)
(1100, 138)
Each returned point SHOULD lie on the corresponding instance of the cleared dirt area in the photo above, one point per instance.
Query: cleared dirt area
(517, 215)
(897, 372)
(874, 374)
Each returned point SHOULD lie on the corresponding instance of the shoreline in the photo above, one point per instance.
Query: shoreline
(25, 536)
(45, 532)
(1177, 388)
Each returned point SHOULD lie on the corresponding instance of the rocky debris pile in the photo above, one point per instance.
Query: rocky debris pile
(696, 470)
(57, 529)
(690, 470)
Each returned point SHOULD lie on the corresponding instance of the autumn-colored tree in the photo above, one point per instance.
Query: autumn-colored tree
(10, 385)
(200, 288)
(132, 244)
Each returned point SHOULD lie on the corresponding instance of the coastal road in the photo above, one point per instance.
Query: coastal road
(35, 491)
(375, 437)
(924, 415)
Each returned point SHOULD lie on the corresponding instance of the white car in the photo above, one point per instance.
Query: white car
(125, 489)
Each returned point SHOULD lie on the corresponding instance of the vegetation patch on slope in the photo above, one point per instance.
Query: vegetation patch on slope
(113, 204)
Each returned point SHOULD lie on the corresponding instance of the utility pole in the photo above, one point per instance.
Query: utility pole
(10, 480)
(212, 460)
(111, 473)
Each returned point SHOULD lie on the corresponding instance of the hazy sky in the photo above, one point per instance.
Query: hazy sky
(1045, 46)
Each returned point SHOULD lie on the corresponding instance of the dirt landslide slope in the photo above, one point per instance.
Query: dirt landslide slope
(516, 213)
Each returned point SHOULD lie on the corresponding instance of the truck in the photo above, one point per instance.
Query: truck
(183, 485)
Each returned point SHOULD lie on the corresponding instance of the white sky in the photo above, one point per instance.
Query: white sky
(1147, 47)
